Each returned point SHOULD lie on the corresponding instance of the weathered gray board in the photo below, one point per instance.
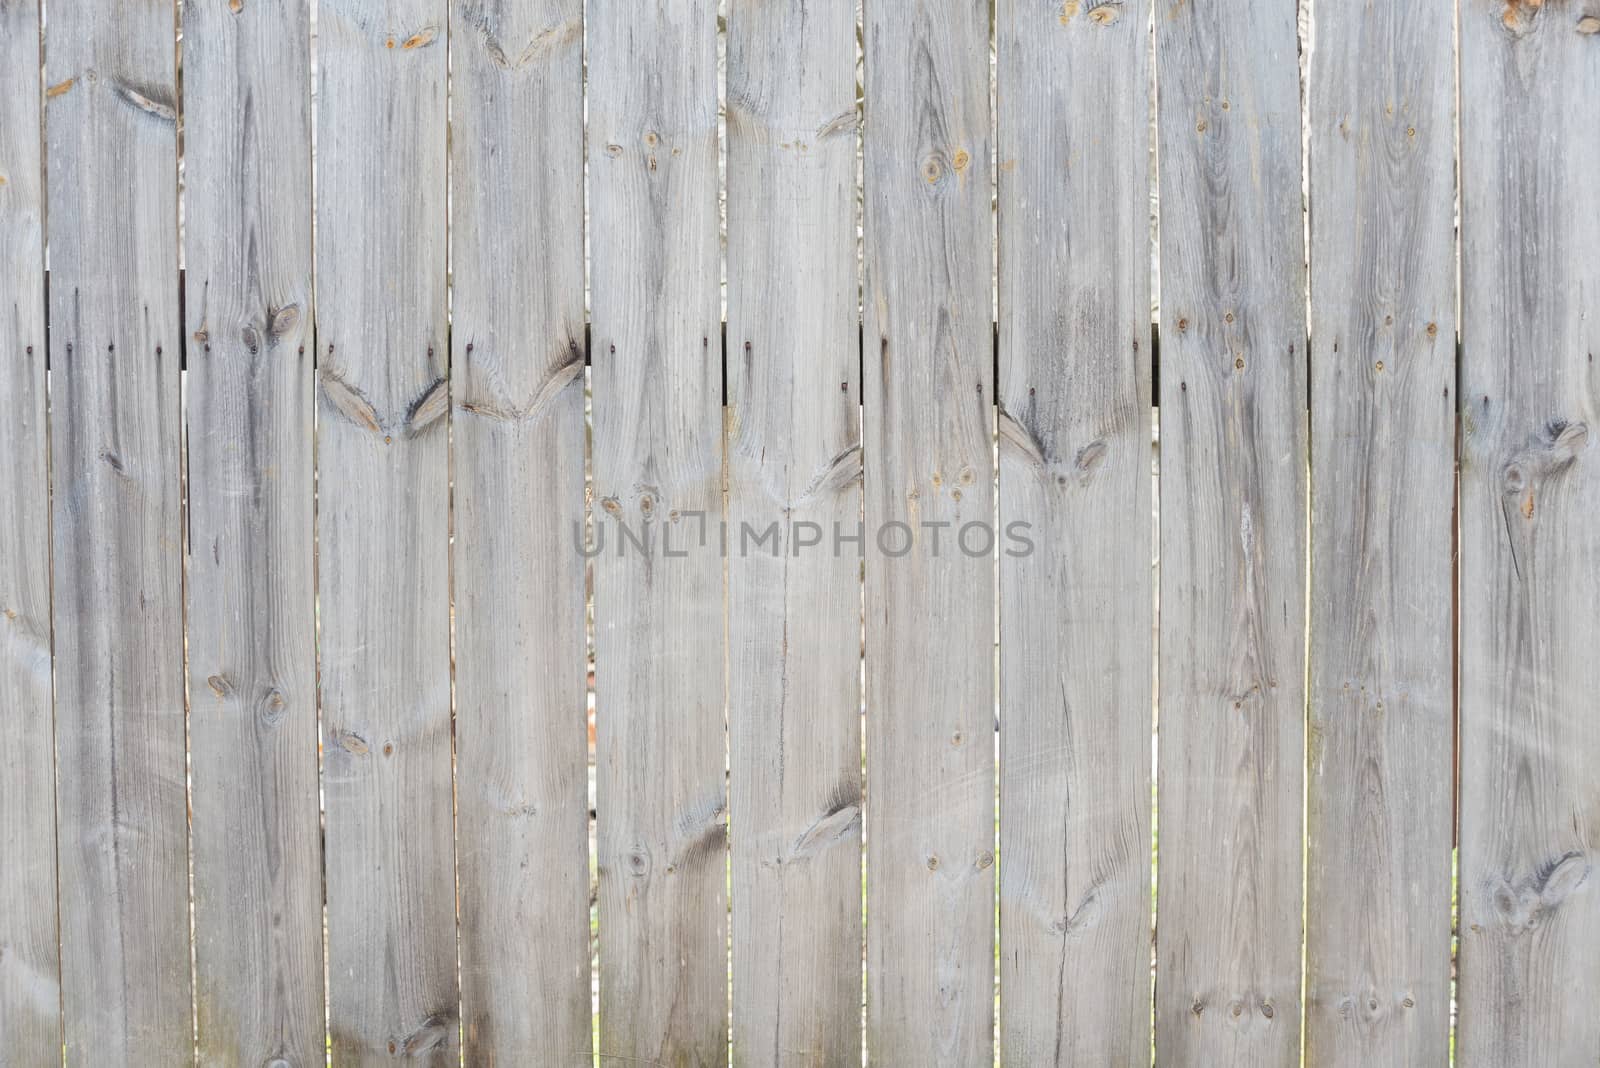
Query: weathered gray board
(657, 382)
(111, 142)
(251, 585)
(1233, 529)
(30, 968)
(793, 450)
(1382, 129)
(117, 533)
(928, 412)
(518, 445)
(383, 530)
(1530, 544)
(1075, 613)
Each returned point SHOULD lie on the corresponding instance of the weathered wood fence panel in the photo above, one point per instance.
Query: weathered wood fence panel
(251, 579)
(1076, 611)
(1233, 487)
(517, 344)
(383, 530)
(660, 745)
(1530, 543)
(381, 617)
(111, 143)
(30, 968)
(793, 448)
(1382, 131)
(928, 414)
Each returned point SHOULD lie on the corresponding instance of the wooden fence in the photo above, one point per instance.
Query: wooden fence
(295, 649)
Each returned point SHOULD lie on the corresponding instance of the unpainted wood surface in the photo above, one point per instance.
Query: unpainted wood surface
(657, 383)
(928, 412)
(1075, 613)
(1530, 545)
(30, 968)
(794, 602)
(1383, 453)
(522, 840)
(1233, 498)
(251, 587)
(383, 529)
(111, 142)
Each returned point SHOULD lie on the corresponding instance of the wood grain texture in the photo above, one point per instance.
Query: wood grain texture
(251, 589)
(30, 965)
(111, 142)
(518, 431)
(1075, 614)
(1382, 93)
(928, 413)
(657, 382)
(794, 605)
(1233, 499)
(1530, 547)
(383, 530)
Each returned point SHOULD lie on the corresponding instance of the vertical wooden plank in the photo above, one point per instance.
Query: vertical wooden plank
(30, 966)
(929, 421)
(517, 347)
(794, 603)
(252, 628)
(1233, 458)
(661, 747)
(383, 517)
(1530, 547)
(1382, 93)
(1075, 613)
(117, 536)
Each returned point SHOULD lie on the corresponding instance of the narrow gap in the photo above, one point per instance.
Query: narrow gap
(859, 206)
(1305, 720)
(1305, 777)
(861, 693)
(1459, 257)
(1155, 709)
(994, 269)
(186, 514)
(185, 518)
(991, 412)
(183, 273)
(1455, 733)
(448, 342)
(1155, 349)
(727, 741)
(314, 340)
(589, 714)
(50, 519)
(721, 28)
(1153, 179)
(1155, 715)
(1305, 33)
(591, 663)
